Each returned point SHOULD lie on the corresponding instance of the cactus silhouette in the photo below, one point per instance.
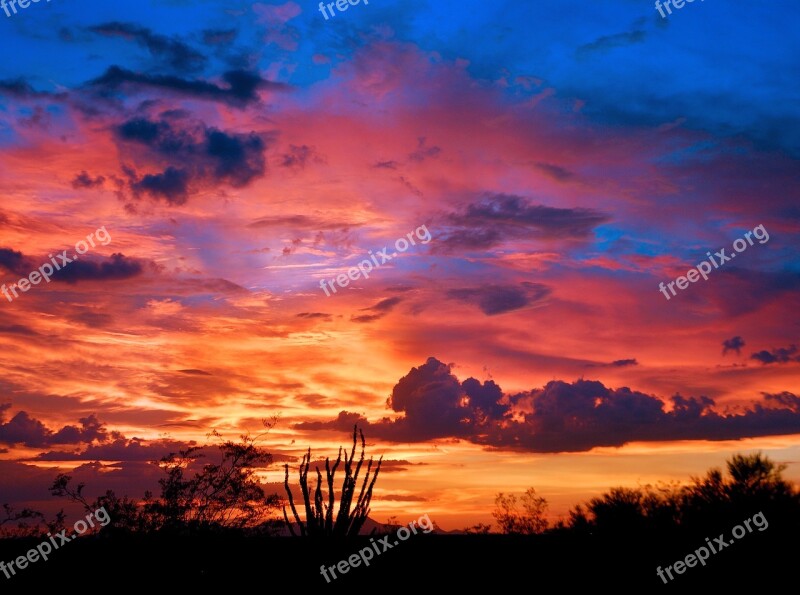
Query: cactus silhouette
(320, 514)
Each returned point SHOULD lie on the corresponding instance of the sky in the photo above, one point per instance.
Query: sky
(515, 179)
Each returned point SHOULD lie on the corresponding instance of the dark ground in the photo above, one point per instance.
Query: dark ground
(208, 563)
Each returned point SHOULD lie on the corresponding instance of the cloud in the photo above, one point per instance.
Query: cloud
(298, 157)
(401, 497)
(782, 355)
(276, 18)
(381, 309)
(621, 363)
(617, 40)
(17, 329)
(21, 89)
(240, 90)
(199, 155)
(84, 180)
(302, 222)
(28, 431)
(172, 52)
(114, 268)
(499, 299)
(559, 417)
(423, 152)
(315, 315)
(15, 262)
(503, 217)
(344, 422)
(734, 344)
(172, 185)
(554, 171)
(120, 449)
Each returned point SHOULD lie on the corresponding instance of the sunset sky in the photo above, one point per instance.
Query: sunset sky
(565, 159)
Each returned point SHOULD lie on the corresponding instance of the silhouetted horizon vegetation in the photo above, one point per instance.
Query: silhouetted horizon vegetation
(212, 515)
(750, 484)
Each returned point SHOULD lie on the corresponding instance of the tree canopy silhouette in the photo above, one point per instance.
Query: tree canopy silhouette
(194, 496)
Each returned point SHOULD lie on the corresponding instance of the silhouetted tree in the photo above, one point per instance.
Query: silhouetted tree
(753, 483)
(529, 521)
(23, 523)
(225, 494)
(319, 513)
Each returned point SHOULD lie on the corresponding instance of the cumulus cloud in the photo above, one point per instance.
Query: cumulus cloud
(559, 417)
(196, 154)
(782, 355)
(28, 431)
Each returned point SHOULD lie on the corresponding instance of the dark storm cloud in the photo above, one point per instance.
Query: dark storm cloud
(238, 157)
(559, 417)
(115, 267)
(28, 431)
(21, 89)
(172, 185)
(172, 52)
(200, 156)
(500, 217)
(240, 90)
(782, 355)
(344, 422)
(498, 299)
(733, 344)
(15, 262)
